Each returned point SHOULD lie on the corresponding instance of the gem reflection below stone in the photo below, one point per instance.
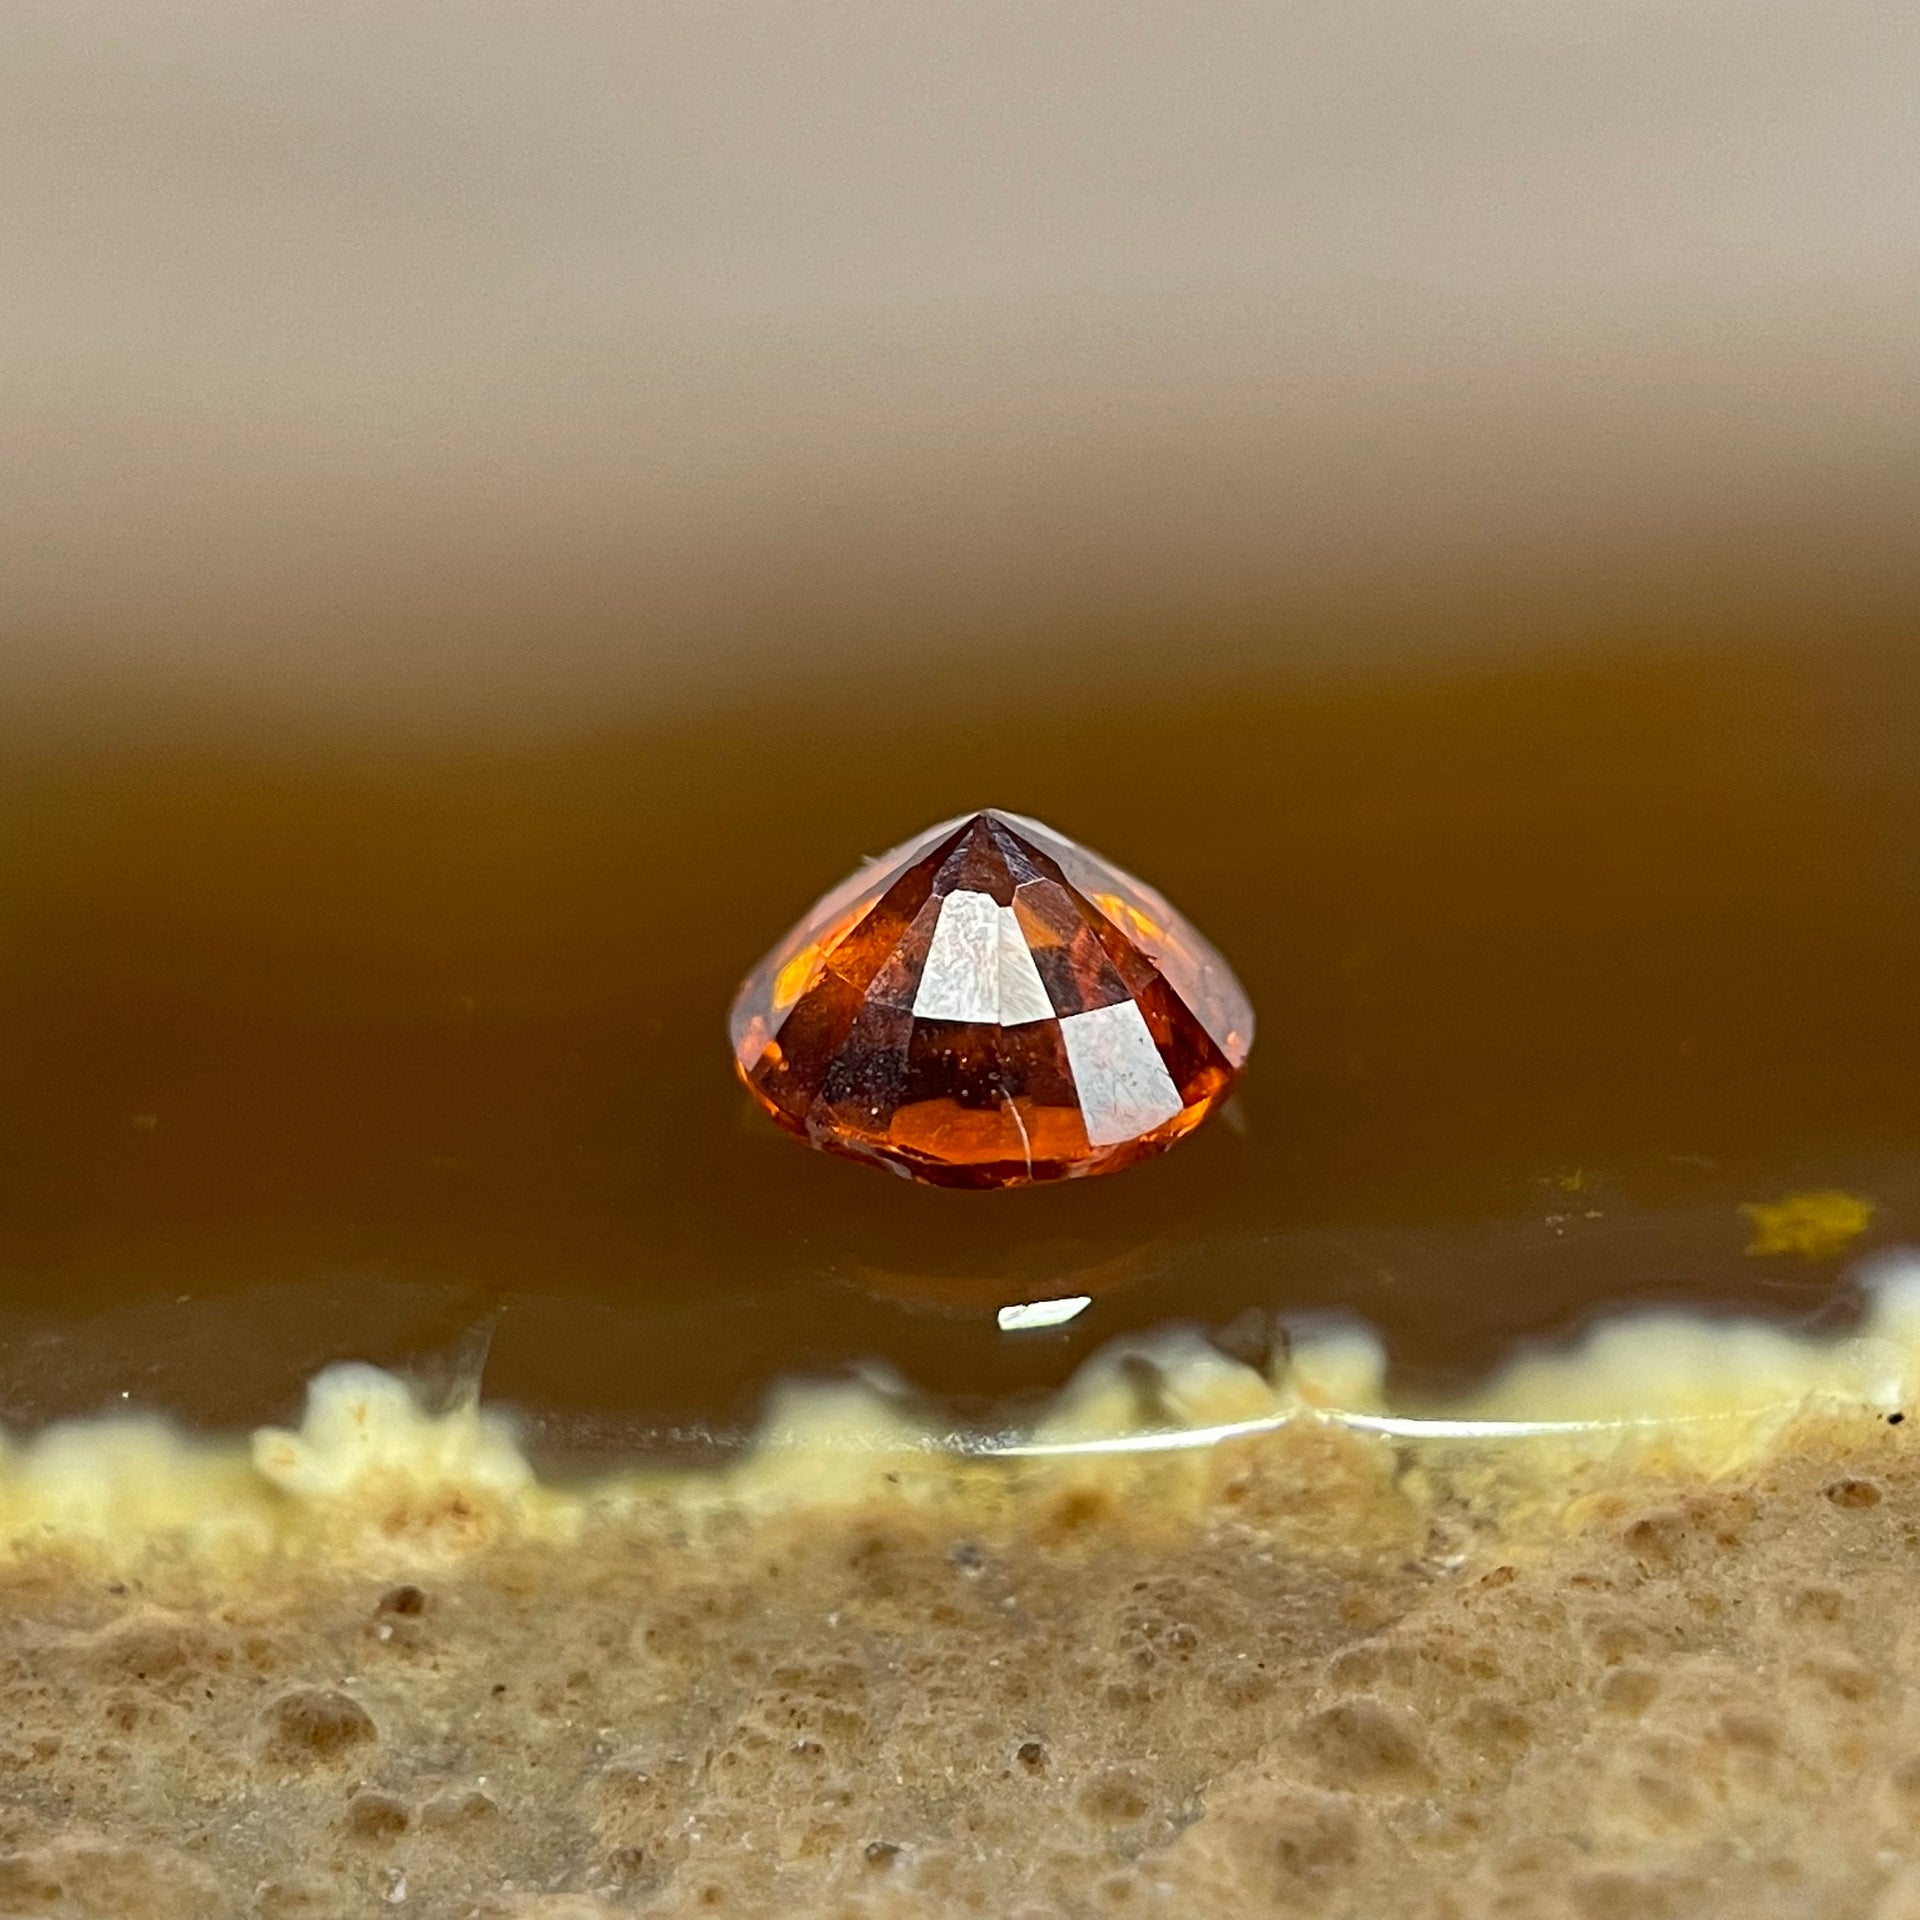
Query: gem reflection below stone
(989, 1005)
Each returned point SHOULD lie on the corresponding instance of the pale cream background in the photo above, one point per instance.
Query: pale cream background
(467, 358)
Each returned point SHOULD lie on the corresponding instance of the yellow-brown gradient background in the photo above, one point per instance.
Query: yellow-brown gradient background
(505, 504)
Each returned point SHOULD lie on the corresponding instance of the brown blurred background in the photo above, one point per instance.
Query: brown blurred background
(504, 506)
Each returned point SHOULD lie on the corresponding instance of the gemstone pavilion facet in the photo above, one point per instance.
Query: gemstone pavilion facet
(990, 1004)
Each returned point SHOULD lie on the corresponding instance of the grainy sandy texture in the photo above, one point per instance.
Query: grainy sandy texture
(1309, 1673)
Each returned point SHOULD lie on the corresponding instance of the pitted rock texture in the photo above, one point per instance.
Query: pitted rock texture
(1314, 1677)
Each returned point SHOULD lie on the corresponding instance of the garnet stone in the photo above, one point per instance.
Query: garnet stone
(991, 1004)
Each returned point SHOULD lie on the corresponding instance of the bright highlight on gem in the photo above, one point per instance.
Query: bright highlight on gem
(989, 1005)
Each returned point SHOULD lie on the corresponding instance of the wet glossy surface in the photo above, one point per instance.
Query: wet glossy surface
(325, 1042)
(497, 517)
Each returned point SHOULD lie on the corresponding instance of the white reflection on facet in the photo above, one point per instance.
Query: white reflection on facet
(1042, 1313)
(961, 979)
(978, 966)
(1023, 998)
(1124, 1087)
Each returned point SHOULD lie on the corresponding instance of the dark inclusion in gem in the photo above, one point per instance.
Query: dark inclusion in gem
(991, 1004)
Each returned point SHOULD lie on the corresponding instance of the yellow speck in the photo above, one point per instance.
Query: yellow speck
(1813, 1225)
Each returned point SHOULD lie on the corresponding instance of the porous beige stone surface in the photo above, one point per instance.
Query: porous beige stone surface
(1312, 1672)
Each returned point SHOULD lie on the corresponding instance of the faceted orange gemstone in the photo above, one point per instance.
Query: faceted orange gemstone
(990, 1004)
